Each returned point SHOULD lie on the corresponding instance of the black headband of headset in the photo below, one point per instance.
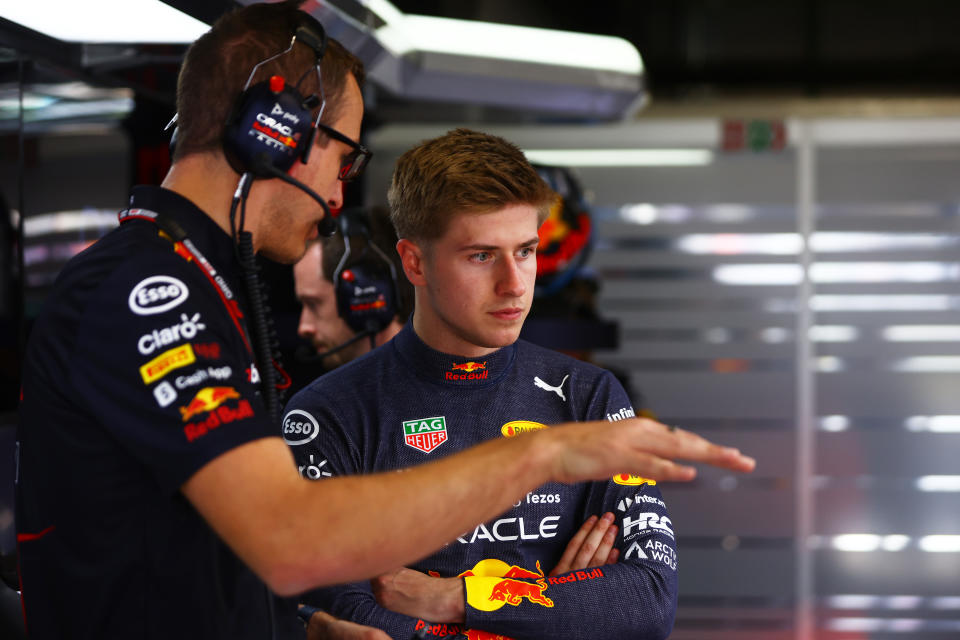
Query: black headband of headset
(311, 33)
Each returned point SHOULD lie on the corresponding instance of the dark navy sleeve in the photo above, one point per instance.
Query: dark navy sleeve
(634, 598)
(321, 441)
(355, 602)
(160, 364)
(324, 446)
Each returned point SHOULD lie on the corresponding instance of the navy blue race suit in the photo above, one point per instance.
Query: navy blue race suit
(405, 403)
(137, 375)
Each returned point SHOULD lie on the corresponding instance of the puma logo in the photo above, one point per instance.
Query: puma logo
(557, 389)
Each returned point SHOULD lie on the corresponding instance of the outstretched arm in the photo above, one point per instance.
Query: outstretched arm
(298, 534)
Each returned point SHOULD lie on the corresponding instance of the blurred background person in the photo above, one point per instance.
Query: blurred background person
(354, 294)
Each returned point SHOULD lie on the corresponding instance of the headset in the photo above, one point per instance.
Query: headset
(365, 280)
(271, 124)
(365, 286)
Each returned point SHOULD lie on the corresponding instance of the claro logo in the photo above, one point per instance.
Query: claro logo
(299, 427)
(186, 329)
(157, 294)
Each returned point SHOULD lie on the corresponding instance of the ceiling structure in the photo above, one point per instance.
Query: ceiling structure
(816, 47)
(697, 54)
(783, 57)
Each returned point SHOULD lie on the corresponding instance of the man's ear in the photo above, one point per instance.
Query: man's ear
(411, 257)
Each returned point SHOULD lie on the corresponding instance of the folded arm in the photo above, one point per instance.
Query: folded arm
(635, 597)
(441, 600)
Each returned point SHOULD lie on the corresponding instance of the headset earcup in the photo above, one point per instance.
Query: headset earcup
(366, 299)
(266, 125)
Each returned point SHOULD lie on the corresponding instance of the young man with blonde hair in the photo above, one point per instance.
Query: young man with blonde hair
(467, 207)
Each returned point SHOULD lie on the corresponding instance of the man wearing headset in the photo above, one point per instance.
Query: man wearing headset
(333, 318)
(155, 498)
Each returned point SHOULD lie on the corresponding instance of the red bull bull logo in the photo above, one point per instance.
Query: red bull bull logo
(469, 366)
(493, 583)
(520, 572)
(206, 400)
(469, 369)
(514, 591)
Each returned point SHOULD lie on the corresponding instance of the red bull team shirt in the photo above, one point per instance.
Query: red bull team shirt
(405, 404)
(136, 376)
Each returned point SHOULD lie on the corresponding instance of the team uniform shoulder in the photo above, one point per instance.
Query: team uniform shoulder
(529, 352)
(157, 356)
(353, 375)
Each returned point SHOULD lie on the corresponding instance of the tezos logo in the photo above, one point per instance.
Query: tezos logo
(299, 427)
(157, 294)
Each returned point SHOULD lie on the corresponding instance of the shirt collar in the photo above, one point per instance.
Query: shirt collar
(215, 243)
(451, 370)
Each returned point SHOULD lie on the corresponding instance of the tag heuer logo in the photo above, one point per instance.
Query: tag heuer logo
(425, 434)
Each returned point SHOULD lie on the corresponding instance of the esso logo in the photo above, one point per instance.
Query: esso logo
(157, 294)
(299, 427)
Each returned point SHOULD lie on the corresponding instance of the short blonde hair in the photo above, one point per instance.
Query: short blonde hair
(462, 171)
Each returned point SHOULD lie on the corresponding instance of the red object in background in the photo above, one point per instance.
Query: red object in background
(753, 135)
(153, 162)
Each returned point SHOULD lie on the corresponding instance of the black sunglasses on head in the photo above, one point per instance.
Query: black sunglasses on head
(353, 165)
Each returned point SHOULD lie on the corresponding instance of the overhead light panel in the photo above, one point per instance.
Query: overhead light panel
(922, 333)
(478, 39)
(940, 544)
(106, 21)
(938, 483)
(416, 57)
(933, 424)
(620, 157)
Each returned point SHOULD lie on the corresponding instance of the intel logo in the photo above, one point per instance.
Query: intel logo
(157, 294)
